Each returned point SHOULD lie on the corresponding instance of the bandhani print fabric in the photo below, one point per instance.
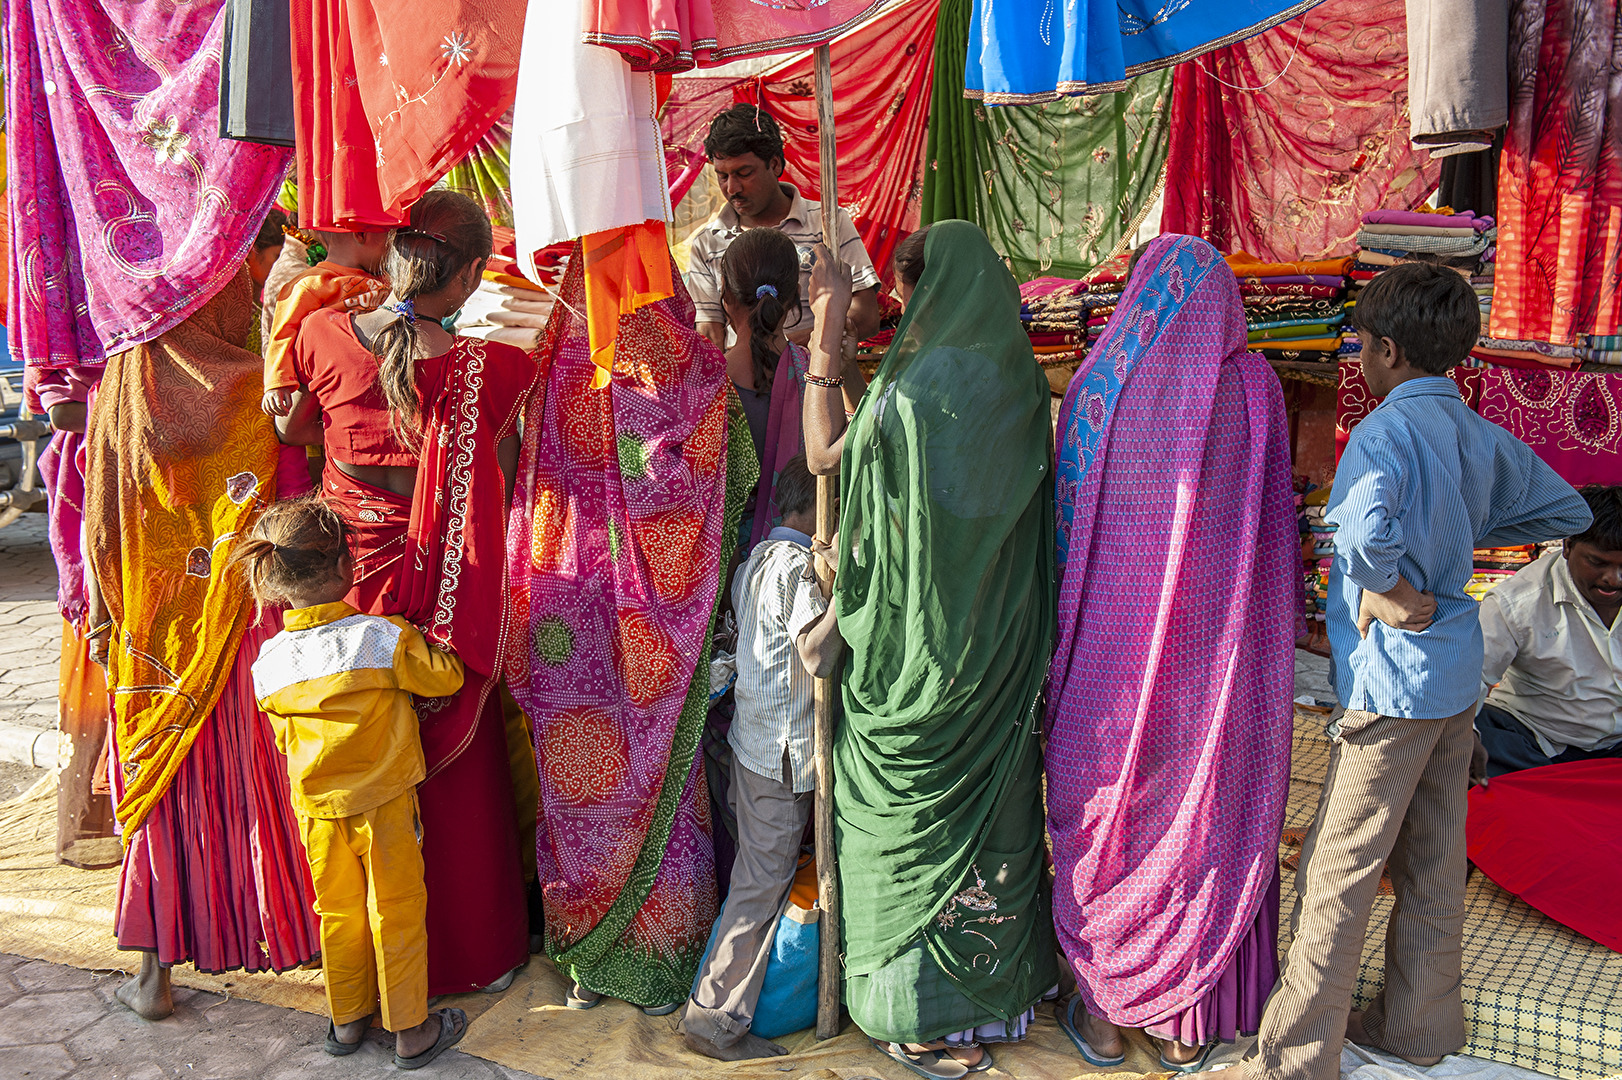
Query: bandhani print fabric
(656, 35)
(127, 211)
(627, 507)
(1279, 144)
(1560, 176)
(1572, 420)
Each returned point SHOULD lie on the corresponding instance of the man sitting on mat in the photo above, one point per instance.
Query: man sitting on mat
(1554, 651)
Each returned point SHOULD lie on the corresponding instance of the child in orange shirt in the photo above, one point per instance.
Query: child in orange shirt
(337, 686)
(348, 279)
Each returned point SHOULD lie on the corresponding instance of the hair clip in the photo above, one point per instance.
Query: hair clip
(407, 310)
(412, 230)
(766, 290)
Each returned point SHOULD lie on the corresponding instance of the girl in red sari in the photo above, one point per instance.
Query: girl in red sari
(420, 430)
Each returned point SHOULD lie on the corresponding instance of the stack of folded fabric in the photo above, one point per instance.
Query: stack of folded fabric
(1064, 317)
(1317, 552)
(1493, 565)
(1600, 349)
(1295, 311)
(1465, 242)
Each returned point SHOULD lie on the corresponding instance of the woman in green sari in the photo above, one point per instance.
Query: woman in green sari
(945, 599)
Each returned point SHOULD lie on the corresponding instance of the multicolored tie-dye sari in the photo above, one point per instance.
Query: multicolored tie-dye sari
(1168, 745)
(627, 508)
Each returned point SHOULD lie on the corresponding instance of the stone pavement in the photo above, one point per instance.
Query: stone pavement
(30, 642)
(60, 1022)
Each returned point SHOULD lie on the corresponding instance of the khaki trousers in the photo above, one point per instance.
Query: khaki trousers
(1395, 790)
(771, 821)
(367, 870)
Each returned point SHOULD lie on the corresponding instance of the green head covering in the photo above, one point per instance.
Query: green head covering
(945, 598)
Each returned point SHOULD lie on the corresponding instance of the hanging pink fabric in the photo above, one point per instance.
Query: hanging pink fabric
(783, 439)
(1281, 142)
(1168, 746)
(677, 35)
(1570, 419)
(128, 211)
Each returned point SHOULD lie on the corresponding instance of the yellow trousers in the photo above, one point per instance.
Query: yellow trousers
(367, 870)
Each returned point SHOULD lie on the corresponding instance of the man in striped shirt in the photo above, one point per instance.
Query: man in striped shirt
(1423, 482)
(787, 637)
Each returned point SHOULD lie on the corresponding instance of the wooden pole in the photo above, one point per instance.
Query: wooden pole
(830, 977)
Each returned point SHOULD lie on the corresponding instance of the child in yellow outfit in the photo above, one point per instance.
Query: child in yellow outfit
(337, 687)
(346, 279)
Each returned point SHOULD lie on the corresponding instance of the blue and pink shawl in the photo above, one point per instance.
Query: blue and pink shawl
(1169, 725)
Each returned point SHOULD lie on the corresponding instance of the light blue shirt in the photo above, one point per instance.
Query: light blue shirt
(1424, 481)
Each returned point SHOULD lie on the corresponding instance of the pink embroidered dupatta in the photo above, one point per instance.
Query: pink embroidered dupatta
(1169, 721)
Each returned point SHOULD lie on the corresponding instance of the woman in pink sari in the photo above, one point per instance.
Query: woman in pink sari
(1169, 731)
(420, 430)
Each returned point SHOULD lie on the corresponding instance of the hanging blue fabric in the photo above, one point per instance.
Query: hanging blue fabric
(1026, 51)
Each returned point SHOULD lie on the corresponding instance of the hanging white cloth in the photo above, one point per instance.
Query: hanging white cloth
(586, 151)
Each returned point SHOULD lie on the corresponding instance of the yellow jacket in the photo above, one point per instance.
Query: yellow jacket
(337, 687)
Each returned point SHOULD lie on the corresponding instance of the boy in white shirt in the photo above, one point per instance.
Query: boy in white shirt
(788, 636)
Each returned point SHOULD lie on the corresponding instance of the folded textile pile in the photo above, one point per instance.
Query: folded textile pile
(1064, 317)
(1494, 565)
(1296, 310)
(1600, 349)
(1317, 551)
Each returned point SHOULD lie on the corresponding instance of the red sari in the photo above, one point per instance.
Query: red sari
(438, 559)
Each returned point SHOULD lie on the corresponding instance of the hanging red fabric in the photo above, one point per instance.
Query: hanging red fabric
(389, 96)
(677, 35)
(1281, 142)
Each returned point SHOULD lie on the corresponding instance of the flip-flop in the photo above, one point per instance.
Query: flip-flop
(501, 984)
(662, 1010)
(1193, 1066)
(935, 1064)
(337, 1047)
(452, 1026)
(577, 998)
(985, 1059)
(1067, 1020)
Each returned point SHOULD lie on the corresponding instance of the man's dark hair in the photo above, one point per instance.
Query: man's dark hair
(744, 129)
(1429, 311)
(909, 257)
(1606, 503)
(796, 489)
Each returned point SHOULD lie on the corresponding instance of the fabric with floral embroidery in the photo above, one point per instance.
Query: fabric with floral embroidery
(627, 508)
(1168, 737)
(654, 35)
(1570, 419)
(388, 96)
(128, 212)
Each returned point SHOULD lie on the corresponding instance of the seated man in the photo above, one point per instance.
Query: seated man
(1554, 651)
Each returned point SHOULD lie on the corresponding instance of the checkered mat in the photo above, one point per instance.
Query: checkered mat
(1536, 994)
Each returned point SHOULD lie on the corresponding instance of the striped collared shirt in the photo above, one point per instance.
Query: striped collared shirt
(803, 225)
(1424, 482)
(775, 597)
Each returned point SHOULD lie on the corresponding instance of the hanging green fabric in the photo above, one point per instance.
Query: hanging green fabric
(945, 595)
(485, 175)
(1060, 188)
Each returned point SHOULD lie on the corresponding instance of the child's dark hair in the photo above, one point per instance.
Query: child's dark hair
(295, 545)
(744, 129)
(909, 258)
(1429, 311)
(1605, 500)
(448, 232)
(761, 269)
(273, 233)
(796, 490)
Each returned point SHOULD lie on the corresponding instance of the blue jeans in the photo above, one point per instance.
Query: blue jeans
(1511, 746)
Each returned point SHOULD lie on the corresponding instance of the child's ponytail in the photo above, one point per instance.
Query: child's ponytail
(447, 232)
(295, 544)
(761, 269)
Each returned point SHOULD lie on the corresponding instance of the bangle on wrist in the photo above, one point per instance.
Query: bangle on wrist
(829, 381)
(99, 629)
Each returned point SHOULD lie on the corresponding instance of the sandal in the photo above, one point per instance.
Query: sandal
(1067, 1020)
(662, 1010)
(936, 1064)
(985, 1062)
(1194, 1066)
(338, 1048)
(581, 998)
(502, 983)
(452, 1026)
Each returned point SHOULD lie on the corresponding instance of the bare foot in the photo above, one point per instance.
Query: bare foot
(353, 1032)
(416, 1040)
(1179, 1053)
(1355, 1032)
(750, 1046)
(967, 1056)
(147, 993)
(1103, 1036)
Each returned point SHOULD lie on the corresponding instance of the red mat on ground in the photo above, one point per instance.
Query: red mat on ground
(1550, 836)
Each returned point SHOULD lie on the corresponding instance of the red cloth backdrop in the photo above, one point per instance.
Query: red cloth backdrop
(389, 96)
(1286, 172)
(882, 77)
(1560, 177)
(658, 35)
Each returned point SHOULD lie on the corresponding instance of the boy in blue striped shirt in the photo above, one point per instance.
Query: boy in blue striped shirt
(1423, 482)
